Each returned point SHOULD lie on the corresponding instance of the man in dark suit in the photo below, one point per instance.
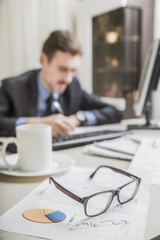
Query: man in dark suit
(27, 98)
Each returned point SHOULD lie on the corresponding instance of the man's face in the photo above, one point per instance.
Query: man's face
(57, 74)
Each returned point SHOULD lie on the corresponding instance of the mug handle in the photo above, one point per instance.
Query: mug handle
(5, 144)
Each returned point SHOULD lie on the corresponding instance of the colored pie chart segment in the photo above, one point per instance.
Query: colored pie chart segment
(54, 216)
(44, 215)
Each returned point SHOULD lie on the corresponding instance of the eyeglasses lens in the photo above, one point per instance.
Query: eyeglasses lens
(98, 203)
(128, 192)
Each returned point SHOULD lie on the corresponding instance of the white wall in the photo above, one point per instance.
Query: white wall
(24, 25)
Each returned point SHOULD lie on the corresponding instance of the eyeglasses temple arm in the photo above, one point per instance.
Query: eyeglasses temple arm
(67, 192)
(115, 170)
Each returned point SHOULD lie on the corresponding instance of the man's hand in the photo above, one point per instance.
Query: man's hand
(61, 124)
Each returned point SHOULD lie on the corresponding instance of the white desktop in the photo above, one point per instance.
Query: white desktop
(14, 189)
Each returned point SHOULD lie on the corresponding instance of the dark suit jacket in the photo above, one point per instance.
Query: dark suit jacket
(19, 98)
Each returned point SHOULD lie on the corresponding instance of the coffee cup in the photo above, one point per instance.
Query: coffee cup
(34, 147)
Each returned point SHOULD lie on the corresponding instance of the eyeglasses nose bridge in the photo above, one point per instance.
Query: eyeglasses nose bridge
(116, 193)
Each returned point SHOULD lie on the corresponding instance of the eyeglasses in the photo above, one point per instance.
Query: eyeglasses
(98, 203)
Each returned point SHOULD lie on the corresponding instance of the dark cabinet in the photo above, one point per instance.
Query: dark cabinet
(117, 52)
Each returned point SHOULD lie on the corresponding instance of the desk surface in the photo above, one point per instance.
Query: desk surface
(13, 189)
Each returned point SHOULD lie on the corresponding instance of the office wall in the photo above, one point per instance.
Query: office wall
(24, 24)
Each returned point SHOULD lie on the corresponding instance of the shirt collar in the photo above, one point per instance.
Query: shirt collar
(43, 92)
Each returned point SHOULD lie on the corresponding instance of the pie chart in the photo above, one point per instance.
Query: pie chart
(44, 215)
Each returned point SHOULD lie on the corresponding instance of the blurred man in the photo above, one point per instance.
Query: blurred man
(52, 94)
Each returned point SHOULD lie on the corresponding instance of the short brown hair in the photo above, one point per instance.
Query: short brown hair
(63, 41)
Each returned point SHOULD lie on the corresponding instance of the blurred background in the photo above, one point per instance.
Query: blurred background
(115, 36)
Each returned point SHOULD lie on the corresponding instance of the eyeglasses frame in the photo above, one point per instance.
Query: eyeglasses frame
(115, 192)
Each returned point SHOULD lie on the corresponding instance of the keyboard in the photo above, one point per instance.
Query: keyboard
(80, 139)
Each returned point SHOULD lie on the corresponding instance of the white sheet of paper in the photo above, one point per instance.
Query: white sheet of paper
(122, 145)
(95, 150)
(148, 157)
(119, 222)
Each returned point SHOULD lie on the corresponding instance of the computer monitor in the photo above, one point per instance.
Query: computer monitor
(148, 83)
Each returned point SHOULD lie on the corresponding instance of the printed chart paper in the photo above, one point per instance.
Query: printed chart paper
(47, 212)
(148, 157)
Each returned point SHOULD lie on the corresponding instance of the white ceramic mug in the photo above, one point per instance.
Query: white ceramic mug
(34, 147)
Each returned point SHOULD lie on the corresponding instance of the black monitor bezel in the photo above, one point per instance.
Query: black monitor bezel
(149, 79)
